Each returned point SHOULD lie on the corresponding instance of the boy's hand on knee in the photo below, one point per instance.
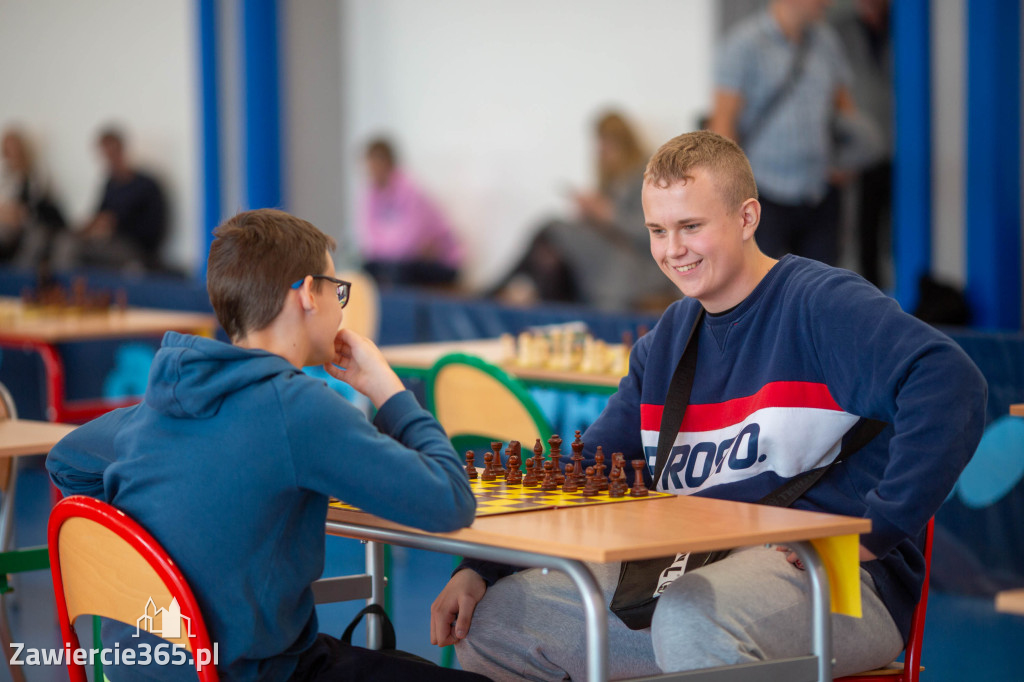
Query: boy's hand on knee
(864, 554)
(457, 602)
(360, 364)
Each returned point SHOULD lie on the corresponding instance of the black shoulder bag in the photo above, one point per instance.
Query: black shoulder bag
(641, 582)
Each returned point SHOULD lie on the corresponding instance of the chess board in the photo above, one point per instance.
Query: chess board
(499, 497)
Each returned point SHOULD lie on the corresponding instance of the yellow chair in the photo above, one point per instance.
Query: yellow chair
(477, 402)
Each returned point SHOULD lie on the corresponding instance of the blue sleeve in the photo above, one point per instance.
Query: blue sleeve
(78, 462)
(882, 363)
(402, 467)
(733, 62)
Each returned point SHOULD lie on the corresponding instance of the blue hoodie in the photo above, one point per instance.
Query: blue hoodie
(229, 462)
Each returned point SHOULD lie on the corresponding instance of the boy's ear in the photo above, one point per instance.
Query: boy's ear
(306, 298)
(750, 213)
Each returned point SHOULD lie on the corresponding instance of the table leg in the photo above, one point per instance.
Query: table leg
(821, 625)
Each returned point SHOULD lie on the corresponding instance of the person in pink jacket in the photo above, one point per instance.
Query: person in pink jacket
(404, 237)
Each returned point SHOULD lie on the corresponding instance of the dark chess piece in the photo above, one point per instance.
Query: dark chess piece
(577, 457)
(531, 479)
(639, 489)
(555, 443)
(499, 470)
(599, 467)
(538, 456)
(488, 474)
(549, 476)
(569, 481)
(515, 474)
(617, 485)
(470, 468)
(590, 487)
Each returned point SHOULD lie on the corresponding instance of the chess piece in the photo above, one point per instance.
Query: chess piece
(531, 479)
(549, 476)
(590, 487)
(514, 474)
(577, 457)
(599, 467)
(555, 443)
(488, 474)
(568, 480)
(639, 489)
(470, 468)
(499, 470)
(617, 485)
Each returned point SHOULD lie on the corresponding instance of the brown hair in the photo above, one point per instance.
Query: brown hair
(382, 148)
(721, 157)
(613, 128)
(254, 258)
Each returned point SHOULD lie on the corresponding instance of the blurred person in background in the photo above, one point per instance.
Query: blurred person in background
(864, 31)
(597, 256)
(130, 222)
(29, 215)
(782, 91)
(404, 237)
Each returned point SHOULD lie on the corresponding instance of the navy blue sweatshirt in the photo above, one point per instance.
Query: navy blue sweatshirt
(780, 379)
(229, 462)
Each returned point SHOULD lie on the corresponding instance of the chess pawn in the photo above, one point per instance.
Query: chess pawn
(590, 487)
(508, 349)
(599, 467)
(549, 476)
(488, 474)
(639, 488)
(524, 349)
(531, 475)
(515, 474)
(470, 468)
(569, 481)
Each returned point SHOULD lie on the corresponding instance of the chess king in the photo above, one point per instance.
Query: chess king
(791, 354)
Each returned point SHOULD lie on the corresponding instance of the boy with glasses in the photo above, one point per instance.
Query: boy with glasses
(230, 458)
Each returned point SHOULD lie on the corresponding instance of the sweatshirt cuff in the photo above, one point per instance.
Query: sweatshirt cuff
(490, 571)
(394, 410)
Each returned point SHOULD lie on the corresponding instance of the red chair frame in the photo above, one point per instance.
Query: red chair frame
(147, 547)
(911, 671)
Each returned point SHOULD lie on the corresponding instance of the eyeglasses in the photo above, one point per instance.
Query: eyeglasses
(343, 287)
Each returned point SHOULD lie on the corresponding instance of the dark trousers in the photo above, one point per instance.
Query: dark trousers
(874, 211)
(410, 273)
(808, 230)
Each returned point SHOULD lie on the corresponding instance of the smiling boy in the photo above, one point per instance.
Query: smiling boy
(791, 355)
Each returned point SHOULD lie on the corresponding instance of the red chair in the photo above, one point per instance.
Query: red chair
(910, 669)
(105, 564)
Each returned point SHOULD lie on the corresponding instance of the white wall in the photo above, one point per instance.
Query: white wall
(68, 68)
(492, 102)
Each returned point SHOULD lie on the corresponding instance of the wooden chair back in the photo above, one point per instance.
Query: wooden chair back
(7, 411)
(362, 314)
(105, 564)
(473, 399)
(910, 669)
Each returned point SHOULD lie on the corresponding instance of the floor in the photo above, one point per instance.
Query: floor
(964, 640)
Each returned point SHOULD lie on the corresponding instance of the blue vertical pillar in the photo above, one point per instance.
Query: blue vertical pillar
(912, 156)
(261, 104)
(993, 243)
(209, 116)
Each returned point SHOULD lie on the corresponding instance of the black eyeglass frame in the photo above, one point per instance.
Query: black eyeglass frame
(344, 288)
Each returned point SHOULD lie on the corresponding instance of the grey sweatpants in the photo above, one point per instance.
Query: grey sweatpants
(751, 606)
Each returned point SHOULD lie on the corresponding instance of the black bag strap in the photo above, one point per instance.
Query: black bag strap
(388, 640)
(796, 69)
(677, 399)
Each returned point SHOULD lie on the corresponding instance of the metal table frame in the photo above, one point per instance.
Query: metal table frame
(816, 666)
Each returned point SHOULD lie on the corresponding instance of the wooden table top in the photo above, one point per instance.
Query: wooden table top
(1017, 410)
(422, 356)
(640, 530)
(30, 437)
(17, 322)
(1011, 601)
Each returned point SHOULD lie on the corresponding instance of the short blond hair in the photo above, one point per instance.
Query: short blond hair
(677, 159)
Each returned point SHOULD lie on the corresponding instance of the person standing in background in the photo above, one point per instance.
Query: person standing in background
(782, 84)
(405, 239)
(864, 31)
